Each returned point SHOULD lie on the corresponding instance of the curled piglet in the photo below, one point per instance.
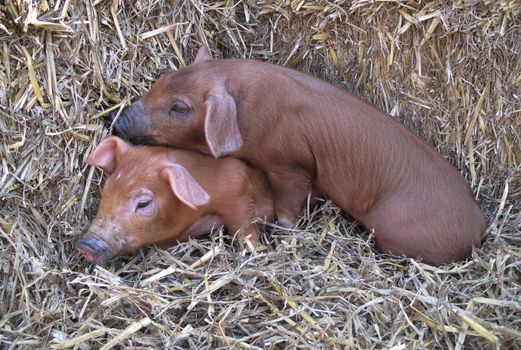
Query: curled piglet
(160, 195)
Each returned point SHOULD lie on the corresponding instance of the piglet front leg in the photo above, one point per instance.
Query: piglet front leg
(291, 189)
(239, 220)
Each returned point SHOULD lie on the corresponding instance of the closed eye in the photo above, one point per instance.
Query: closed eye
(143, 204)
(179, 108)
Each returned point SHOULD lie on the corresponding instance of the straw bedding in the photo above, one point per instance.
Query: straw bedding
(451, 71)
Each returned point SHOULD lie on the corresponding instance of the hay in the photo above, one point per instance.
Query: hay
(449, 70)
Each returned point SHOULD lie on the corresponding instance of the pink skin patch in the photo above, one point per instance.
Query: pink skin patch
(87, 255)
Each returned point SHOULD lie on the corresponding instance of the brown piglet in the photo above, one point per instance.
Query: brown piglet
(307, 134)
(159, 195)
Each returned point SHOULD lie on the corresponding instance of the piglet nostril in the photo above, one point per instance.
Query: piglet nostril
(93, 249)
(86, 245)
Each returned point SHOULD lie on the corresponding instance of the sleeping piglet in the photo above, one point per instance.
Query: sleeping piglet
(159, 195)
(307, 134)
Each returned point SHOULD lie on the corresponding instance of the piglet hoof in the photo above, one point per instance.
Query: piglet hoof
(260, 248)
(248, 244)
(285, 223)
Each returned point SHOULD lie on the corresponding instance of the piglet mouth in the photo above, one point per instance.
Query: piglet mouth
(94, 249)
(124, 128)
(143, 141)
(133, 124)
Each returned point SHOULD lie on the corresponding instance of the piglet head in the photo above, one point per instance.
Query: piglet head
(190, 108)
(147, 199)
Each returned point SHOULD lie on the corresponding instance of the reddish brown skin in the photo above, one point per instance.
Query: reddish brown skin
(238, 195)
(304, 132)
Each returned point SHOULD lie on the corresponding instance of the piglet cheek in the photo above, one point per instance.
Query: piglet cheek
(131, 243)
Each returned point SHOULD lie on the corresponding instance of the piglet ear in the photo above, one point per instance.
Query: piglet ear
(108, 153)
(220, 125)
(184, 186)
(203, 55)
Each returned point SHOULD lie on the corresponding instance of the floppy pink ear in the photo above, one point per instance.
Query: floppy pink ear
(107, 154)
(203, 55)
(184, 186)
(220, 125)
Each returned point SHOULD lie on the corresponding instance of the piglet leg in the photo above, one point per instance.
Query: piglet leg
(247, 236)
(238, 220)
(291, 189)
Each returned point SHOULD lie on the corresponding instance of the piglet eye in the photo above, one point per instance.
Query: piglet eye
(180, 108)
(143, 204)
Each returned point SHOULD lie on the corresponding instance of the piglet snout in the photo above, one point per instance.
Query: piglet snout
(122, 124)
(112, 115)
(119, 123)
(94, 249)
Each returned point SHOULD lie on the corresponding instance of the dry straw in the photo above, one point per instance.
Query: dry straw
(450, 70)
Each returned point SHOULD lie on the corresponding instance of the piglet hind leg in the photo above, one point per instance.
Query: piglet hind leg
(417, 232)
(291, 189)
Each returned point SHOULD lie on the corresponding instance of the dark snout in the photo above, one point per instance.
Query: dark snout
(132, 124)
(94, 249)
(122, 123)
(112, 115)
